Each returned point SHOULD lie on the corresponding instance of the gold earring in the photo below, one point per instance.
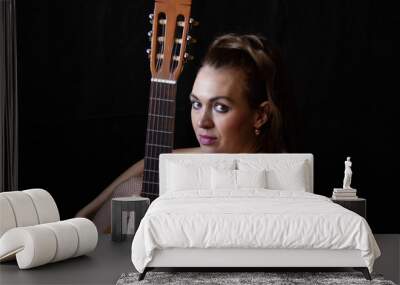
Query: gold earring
(257, 132)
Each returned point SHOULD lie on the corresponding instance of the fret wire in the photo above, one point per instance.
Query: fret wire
(165, 100)
(151, 177)
(169, 126)
(158, 131)
(151, 182)
(150, 194)
(153, 158)
(162, 109)
(159, 145)
(164, 94)
(157, 151)
(161, 139)
(159, 107)
(167, 131)
(162, 116)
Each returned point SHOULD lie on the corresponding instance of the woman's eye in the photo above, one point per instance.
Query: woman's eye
(196, 105)
(221, 108)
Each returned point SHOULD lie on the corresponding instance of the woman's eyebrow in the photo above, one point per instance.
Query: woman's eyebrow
(213, 98)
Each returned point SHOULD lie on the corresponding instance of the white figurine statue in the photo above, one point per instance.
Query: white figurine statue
(347, 174)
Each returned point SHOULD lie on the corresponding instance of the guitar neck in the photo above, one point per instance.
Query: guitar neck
(167, 56)
(160, 133)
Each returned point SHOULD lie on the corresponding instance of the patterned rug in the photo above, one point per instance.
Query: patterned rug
(244, 278)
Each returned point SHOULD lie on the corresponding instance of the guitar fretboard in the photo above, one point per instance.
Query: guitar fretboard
(159, 135)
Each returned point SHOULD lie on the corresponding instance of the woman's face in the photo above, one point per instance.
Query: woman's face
(221, 115)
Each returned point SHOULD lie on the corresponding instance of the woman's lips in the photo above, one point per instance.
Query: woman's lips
(206, 140)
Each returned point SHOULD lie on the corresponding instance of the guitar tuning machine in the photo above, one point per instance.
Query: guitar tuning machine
(188, 57)
(151, 17)
(148, 51)
(150, 34)
(191, 40)
(193, 22)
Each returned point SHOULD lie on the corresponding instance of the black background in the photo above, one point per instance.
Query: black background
(84, 83)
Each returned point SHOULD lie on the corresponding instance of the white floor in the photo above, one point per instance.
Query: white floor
(389, 262)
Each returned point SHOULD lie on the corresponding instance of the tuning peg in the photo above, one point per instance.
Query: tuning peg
(148, 51)
(191, 40)
(193, 22)
(150, 34)
(188, 57)
(151, 17)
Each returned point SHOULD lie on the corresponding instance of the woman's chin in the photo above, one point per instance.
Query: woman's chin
(208, 148)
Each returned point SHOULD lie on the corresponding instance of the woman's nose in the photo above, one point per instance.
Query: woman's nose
(205, 120)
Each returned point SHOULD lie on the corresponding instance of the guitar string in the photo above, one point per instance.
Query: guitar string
(151, 125)
(166, 109)
(167, 139)
(157, 110)
(148, 137)
(170, 105)
(155, 187)
(153, 138)
(181, 51)
(173, 103)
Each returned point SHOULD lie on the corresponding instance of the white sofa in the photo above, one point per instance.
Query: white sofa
(31, 231)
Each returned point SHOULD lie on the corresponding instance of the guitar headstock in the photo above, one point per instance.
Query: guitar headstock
(170, 38)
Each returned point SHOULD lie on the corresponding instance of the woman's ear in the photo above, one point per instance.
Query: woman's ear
(261, 115)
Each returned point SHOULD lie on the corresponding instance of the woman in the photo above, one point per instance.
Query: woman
(233, 111)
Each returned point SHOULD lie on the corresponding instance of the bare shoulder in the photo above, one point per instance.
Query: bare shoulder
(187, 150)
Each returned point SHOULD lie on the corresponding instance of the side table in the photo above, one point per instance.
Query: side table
(358, 205)
(126, 214)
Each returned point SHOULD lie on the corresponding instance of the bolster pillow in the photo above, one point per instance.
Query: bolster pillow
(26, 208)
(40, 244)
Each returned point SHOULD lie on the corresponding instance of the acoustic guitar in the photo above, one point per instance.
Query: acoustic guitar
(169, 39)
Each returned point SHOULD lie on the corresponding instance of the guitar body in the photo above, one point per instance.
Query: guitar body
(167, 55)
